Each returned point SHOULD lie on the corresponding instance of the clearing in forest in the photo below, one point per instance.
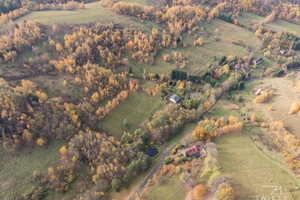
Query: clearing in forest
(136, 109)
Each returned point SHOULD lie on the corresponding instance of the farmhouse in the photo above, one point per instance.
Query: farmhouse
(258, 61)
(193, 152)
(175, 98)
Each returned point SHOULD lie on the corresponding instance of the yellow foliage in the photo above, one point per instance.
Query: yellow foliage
(41, 95)
(258, 33)
(226, 69)
(200, 133)
(295, 107)
(59, 47)
(224, 191)
(230, 58)
(232, 120)
(198, 42)
(261, 98)
(69, 177)
(181, 86)
(95, 97)
(40, 142)
(206, 105)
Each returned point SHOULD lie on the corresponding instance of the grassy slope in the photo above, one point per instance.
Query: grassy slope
(160, 66)
(186, 129)
(16, 171)
(136, 109)
(281, 102)
(171, 188)
(229, 32)
(249, 19)
(247, 169)
(280, 25)
(199, 56)
(93, 12)
(139, 107)
(246, 166)
(53, 87)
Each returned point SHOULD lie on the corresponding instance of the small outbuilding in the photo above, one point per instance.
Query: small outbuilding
(282, 52)
(175, 98)
(258, 61)
(258, 92)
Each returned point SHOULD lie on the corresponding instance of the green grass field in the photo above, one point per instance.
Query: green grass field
(280, 25)
(187, 129)
(249, 19)
(136, 109)
(53, 87)
(16, 171)
(170, 189)
(160, 67)
(230, 32)
(247, 169)
(93, 12)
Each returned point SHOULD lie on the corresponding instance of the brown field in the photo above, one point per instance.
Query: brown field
(281, 101)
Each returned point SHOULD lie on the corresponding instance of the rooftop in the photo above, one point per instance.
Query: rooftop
(174, 98)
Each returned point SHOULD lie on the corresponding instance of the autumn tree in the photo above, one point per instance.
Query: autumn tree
(224, 192)
(199, 191)
(40, 142)
(253, 117)
(295, 107)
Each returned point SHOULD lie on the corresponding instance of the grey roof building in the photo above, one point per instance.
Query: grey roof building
(258, 61)
(175, 98)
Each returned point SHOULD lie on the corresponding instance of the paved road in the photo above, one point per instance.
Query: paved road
(169, 151)
(153, 172)
(141, 187)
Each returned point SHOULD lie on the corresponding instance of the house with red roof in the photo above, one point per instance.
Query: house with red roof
(193, 152)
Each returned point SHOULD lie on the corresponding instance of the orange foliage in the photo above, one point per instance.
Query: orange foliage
(253, 117)
(288, 143)
(199, 191)
(295, 107)
(63, 150)
(270, 108)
